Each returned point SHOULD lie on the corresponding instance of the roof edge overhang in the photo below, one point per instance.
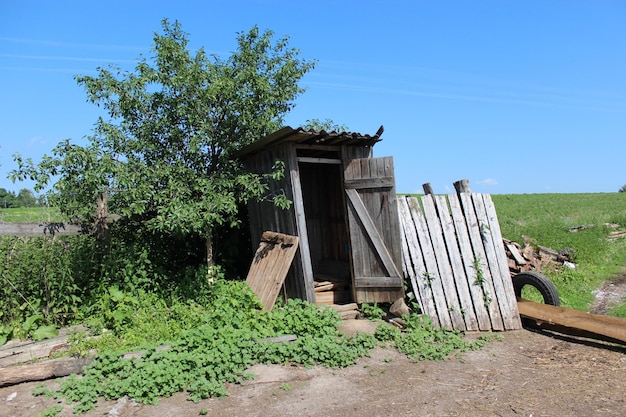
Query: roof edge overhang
(310, 136)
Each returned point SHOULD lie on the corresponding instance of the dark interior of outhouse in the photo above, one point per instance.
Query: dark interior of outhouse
(325, 211)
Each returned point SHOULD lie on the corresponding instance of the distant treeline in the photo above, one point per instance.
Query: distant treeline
(24, 198)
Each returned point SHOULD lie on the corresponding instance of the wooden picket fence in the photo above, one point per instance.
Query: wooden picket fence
(455, 259)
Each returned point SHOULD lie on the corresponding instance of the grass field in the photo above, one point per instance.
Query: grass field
(546, 218)
(30, 215)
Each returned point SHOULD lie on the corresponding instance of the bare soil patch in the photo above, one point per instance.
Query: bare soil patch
(525, 374)
(610, 293)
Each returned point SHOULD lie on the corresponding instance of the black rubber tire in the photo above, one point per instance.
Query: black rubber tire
(545, 287)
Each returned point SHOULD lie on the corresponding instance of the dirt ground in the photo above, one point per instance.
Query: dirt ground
(526, 374)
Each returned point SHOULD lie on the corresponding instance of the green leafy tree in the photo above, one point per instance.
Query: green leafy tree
(165, 156)
(7, 198)
(327, 125)
(26, 198)
(623, 189)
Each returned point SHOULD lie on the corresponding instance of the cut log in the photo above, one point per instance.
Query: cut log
(573, 322)
(41, 371)
(345, 307)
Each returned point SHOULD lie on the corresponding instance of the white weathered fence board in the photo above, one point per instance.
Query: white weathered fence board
(455, 260)
(443, 262)
(430, 278)
(480, 259)
(467, 257)
(413, 262)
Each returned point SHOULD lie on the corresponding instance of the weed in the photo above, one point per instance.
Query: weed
(373, 312)
(54, 411)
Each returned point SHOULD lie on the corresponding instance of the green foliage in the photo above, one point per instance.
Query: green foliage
(213, 345)
(622, 189)
(43, 279)
(6, 333)
(327, 125)
(165, 156)
(24, 198)
(423, 341)
(213, 342)
(546, 218)
(373, 311)
(60, 280)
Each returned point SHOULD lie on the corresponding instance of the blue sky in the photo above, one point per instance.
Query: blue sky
(517, 96)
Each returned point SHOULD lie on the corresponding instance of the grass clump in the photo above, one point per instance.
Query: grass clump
(422, 341)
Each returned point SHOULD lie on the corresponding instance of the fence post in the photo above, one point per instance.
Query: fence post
(462, 186)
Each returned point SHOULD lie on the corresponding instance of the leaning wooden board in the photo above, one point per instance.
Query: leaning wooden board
(270, 265)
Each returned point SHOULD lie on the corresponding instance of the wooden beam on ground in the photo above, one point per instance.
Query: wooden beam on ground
(573, 322)
(41, 371)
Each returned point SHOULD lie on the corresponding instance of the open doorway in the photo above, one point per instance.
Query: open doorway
(329, 243)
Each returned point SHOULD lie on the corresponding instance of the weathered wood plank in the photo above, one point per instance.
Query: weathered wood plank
(383, 182)
(467, 257)
(414, 261)
(269, 267)
(300, 221)
(480, 258)
(458, 272)
(39, 229)
(443, 262)
(508, 312)
(378, 282)
(431, 278)
(519, 259)
(506, 292)
(375, 236)
(569, 321)
(41, 371)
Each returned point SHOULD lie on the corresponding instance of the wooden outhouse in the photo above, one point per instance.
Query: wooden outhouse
(344, 212)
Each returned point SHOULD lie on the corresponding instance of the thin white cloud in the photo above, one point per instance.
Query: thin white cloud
(66, 58)
(63, 44)
(489, 182)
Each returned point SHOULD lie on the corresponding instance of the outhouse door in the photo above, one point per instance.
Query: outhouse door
(374, 227)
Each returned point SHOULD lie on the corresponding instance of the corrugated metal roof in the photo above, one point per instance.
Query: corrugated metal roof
(310, 137)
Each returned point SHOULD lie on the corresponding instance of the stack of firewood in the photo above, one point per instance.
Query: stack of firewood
(337, 294)
(534, 258)
(329, 290)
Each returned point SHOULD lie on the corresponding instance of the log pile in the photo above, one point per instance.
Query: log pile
(535, 258)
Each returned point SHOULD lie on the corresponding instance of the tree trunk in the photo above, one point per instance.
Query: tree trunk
(209, 249)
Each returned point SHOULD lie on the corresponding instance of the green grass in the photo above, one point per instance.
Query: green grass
(30, 215)
(546, 218)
